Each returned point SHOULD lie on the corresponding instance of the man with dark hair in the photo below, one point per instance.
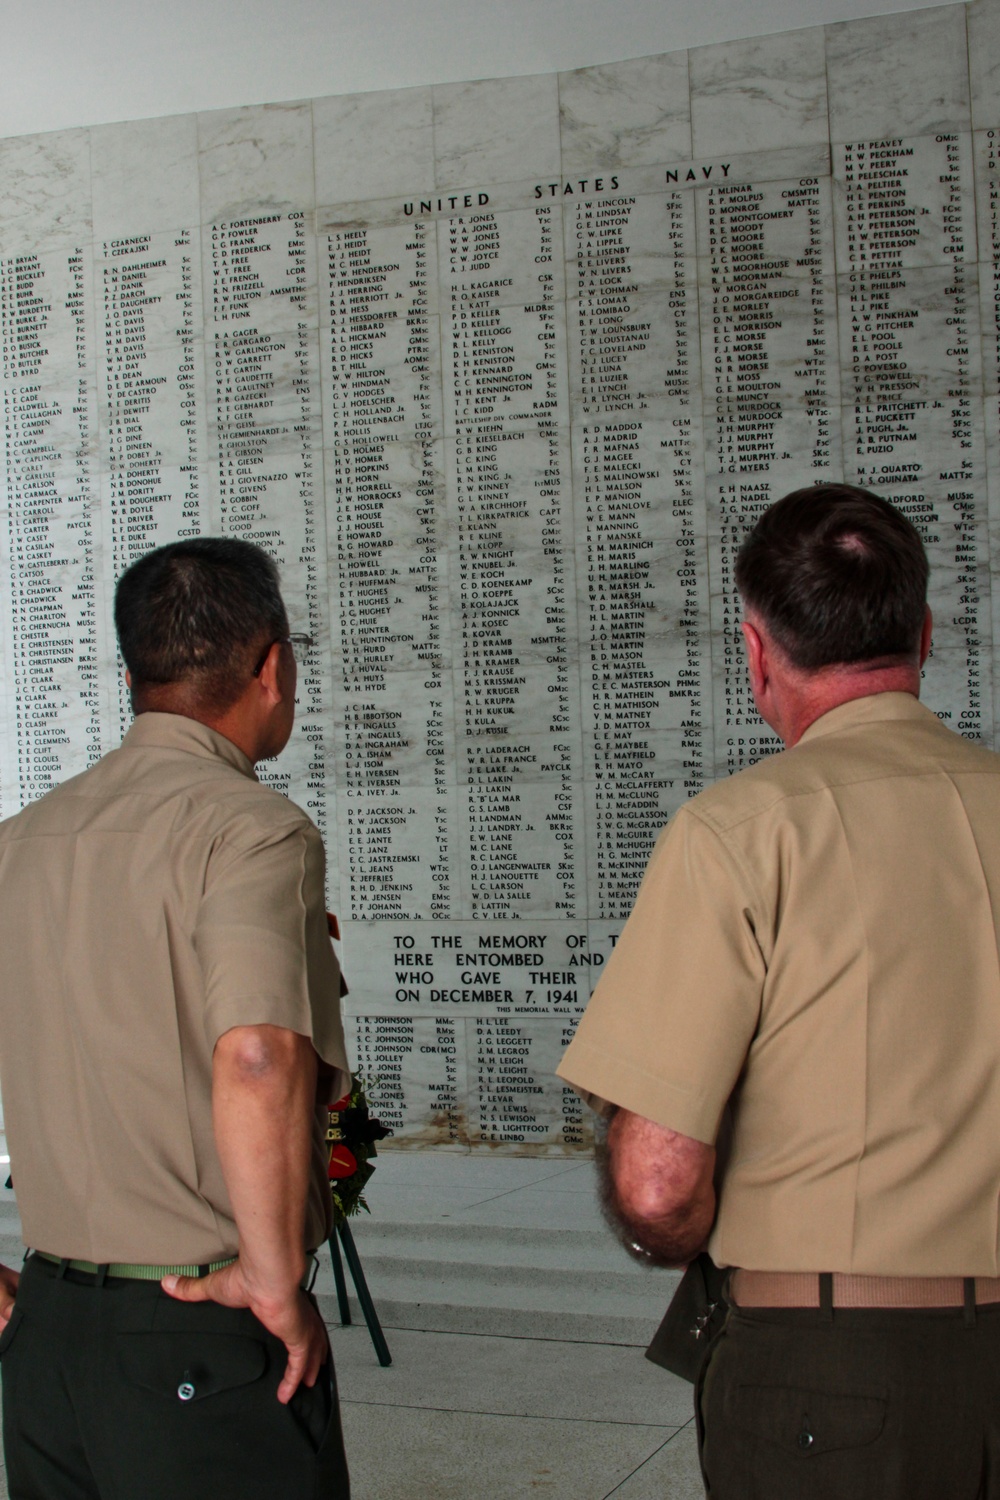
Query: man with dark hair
(813, 955)
(189, 614)
(169, 1031)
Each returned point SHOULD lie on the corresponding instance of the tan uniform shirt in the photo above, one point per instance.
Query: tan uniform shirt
(146, 907)
(816, 941)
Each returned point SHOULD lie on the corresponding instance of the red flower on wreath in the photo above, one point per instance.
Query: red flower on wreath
(343, 1163)
(351, 1134)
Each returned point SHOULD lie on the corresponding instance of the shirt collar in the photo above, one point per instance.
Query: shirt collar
(177, 732)
(872, 709)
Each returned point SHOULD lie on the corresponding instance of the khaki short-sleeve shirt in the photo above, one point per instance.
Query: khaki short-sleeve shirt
(815, 944)
(146, 907)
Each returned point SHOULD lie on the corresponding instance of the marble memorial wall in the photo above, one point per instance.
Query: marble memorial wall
(500, 373)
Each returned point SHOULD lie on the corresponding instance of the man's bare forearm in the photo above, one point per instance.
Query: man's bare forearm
(263, 1099)
(657, 1189)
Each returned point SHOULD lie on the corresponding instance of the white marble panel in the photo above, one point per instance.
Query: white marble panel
(566, 338)
(390, 733)
(902, 74)
(496, 130)
(145, 176)
(390, 837)
(255, 158)
(45, 198)
(763, 92)
(960, 700)
(373, 145)
(413, 1064)
(625, 113)
(915, 339)
(624, 817)
(648, 236)
(909, 202)
(983, 18)
(515, 862)
(145, 511)
(992, 426)
(516, 1099)
(986, 149)
(461, 953)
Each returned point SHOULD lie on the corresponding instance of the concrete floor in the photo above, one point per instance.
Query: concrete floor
(488, 1416)
(467, 1417)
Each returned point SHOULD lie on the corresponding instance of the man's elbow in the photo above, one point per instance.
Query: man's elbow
(263, 1056)
(669, 1230)
(659, 1189)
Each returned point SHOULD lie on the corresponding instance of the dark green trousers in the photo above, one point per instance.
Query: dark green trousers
(852, 1405)
(117, 1392)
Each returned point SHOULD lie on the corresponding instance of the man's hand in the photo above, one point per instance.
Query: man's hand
(292, 1319)
(657, 1189)
(8, 1291)
(263, 1111)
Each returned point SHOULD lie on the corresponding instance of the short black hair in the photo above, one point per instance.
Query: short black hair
(196, 612)
(837, 574)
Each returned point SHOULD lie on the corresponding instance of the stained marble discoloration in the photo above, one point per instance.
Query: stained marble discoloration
(983, 20)
(254, 157)
(45, 191)
(145, 176)
(625, 114)
(373, 145)
(763, 93)
(495, 129)
(898, 74)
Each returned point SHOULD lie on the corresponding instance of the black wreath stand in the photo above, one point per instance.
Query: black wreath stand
(342, 1231)
(353, 1132)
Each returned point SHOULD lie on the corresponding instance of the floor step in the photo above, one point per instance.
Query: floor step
(521, 1282)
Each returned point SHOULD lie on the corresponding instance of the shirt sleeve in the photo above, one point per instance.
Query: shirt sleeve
(262, 939)
(668, 1027)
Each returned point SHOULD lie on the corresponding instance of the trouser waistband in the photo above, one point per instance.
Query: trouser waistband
(127, 1271)
(838, 1289)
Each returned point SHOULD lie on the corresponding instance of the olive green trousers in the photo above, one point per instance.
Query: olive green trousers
(118, 1392)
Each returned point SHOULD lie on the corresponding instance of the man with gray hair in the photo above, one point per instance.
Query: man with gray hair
(169, 1033)
(813, 953)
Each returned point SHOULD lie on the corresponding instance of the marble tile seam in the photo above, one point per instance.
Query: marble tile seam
(335, 1325)
(505, 1194)
(524, 1416)
(648, 1460)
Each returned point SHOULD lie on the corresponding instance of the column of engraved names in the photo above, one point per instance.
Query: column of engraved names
(386, 551)
(635, 354)
(264, 421)
(768, 340)
(50, 631)
(987, 149)
(517, 1100)
(148, 288)
(502, 285)
(912, 382)
(415, 1076)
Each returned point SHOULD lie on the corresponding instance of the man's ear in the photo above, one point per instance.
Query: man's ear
(756, 656)
(925, 634)
(270, 676)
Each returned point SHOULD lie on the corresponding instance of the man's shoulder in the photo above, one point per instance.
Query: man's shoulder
(147, 789)
(894, 750)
